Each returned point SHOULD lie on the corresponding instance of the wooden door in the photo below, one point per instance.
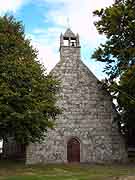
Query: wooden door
(73, 150)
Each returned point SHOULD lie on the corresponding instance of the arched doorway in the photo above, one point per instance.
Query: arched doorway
(73, 150)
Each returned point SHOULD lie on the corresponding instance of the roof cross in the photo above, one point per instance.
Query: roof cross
(68, 22)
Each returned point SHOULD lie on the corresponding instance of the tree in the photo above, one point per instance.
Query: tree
(27, 95)
(126, 103)
(117, 23)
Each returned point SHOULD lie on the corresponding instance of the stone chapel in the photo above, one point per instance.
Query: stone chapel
(85, 131)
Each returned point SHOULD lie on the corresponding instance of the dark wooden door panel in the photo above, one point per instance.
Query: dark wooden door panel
(73, 150)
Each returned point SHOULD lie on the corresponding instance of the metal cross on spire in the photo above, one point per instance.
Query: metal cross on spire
(68, 22)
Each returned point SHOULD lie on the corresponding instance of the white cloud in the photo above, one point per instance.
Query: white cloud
(48, 52)
(10, 5)
(80, 14)
(46, 55)
(81, 21)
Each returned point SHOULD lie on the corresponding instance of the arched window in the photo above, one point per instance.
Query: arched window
(73, 150)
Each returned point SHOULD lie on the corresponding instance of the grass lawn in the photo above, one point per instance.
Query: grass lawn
(18, 171)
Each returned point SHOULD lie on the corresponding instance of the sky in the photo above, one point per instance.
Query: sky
(44, 20)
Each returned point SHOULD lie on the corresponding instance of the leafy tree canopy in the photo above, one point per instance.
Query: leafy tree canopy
(27, 94)
(117, 23)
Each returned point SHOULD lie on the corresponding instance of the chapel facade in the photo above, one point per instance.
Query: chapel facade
(85, 132)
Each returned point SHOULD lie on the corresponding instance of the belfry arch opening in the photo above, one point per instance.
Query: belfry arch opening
(66, 41)
(73, 150)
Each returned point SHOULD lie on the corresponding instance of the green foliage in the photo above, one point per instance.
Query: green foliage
(27, 94)
(117, 23)
(126, 103)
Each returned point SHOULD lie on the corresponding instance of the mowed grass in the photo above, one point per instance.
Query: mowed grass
(19, 171)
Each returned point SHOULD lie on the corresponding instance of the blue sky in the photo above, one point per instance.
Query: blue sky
(44, 20)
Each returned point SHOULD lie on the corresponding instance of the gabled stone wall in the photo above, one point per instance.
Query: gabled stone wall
(87, 115)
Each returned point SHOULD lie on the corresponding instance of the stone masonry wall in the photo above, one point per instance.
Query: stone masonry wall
(87, 115)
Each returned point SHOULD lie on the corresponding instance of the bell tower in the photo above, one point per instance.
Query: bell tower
(69, 45)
